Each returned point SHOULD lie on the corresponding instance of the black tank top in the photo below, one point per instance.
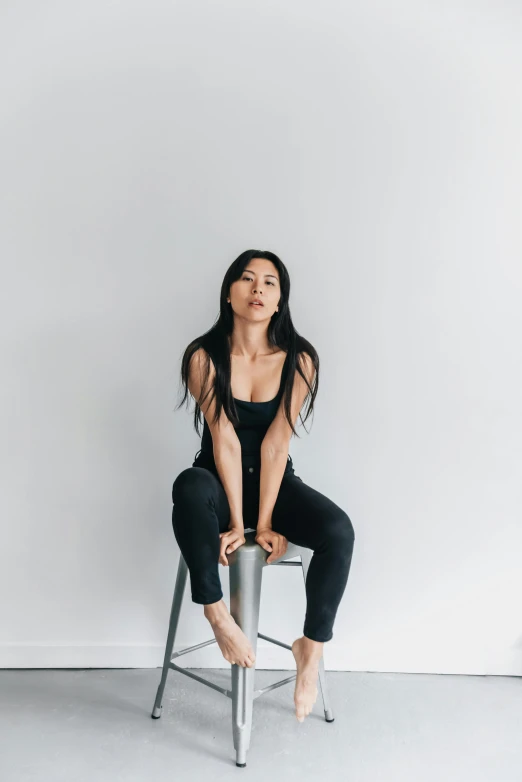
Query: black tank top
(254, 420)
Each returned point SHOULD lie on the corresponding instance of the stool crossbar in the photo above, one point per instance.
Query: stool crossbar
(246, 565)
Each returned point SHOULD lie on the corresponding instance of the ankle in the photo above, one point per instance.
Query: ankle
(312, 649)
(216, 612)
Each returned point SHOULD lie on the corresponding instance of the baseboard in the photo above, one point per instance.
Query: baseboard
(337, 657)
(269, 656)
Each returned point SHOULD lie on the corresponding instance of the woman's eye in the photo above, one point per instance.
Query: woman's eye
(268, 282)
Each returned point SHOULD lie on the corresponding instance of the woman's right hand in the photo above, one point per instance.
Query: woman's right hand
(230, 541)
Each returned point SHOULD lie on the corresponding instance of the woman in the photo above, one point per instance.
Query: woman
(250, 375)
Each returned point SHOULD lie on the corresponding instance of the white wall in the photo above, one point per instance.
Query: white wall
(376, 148)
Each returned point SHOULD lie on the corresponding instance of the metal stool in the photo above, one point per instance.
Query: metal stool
(246, 565)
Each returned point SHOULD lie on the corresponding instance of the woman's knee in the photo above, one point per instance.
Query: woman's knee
(338, 530)
(191, 483)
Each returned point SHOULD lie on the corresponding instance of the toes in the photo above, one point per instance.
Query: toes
(300, 711)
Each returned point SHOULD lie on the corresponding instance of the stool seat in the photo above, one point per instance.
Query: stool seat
(245, 568)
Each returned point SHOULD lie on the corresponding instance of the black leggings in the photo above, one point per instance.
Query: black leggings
(303, 515)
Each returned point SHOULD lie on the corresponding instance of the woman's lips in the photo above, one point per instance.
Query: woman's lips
(252, 304)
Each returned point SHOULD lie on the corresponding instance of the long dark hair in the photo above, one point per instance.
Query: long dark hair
(215, 342)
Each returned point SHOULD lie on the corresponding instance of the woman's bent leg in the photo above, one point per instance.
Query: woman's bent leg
(200, 512)
(308, 518)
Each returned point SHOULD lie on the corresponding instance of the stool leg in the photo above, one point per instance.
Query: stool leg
(306, 556)
(181, 580)
(245, 597)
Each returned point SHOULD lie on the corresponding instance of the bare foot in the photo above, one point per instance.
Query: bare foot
(234, 645)
(307, 658)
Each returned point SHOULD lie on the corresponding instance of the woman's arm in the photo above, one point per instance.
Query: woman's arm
(227, 456)
(274, 448)
(273, 463)
(226, 444)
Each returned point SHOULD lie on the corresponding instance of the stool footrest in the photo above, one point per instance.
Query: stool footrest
(273, 641)
(216, 687)
(222, 690)
(193, 648)
(280, 683)
(213, 641)
(226, 692)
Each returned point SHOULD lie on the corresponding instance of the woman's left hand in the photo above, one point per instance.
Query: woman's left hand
(272, 541)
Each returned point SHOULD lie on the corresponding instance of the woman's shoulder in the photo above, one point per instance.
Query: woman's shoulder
(307, 365)
(202, 358)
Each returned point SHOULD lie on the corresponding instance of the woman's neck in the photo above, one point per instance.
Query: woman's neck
(250, 348)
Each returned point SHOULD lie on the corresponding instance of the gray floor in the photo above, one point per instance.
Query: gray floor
(95, 725)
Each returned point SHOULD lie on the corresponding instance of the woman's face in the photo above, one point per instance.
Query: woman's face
(258, 282)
